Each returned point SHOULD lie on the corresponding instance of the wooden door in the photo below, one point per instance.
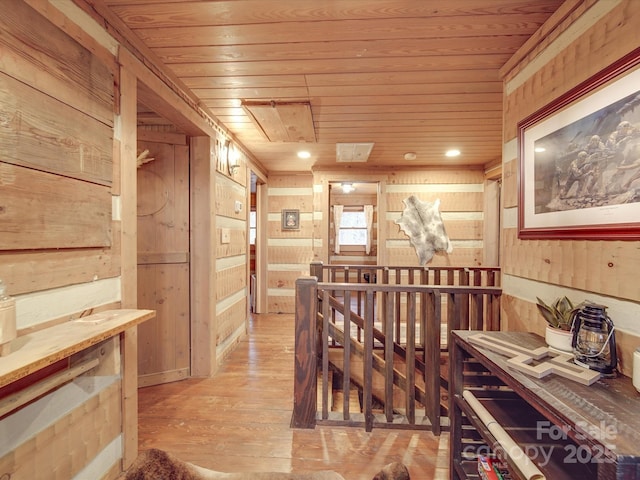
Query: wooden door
(163, 263)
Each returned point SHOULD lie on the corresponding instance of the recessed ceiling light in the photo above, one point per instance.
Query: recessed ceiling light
(452, 153)
(304, 154)
(410, 156)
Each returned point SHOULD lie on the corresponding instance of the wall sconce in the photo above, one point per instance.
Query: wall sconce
(233, 164)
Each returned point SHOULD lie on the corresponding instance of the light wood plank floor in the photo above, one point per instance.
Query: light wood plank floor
(238, 421)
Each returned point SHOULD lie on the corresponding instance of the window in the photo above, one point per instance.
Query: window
(353, 229)
(252, 228)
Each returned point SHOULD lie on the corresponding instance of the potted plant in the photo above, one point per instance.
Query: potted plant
(559, 316)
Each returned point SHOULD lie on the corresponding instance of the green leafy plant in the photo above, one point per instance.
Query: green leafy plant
(559, 314)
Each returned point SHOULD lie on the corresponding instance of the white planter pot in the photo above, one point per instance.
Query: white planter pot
(558, 339)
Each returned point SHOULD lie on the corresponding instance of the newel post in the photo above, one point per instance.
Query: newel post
(305, 369)
(315, 270)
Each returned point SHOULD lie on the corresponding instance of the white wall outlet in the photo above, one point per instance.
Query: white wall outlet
(238, 206)
(225, 235)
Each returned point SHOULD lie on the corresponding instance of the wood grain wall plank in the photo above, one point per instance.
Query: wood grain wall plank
(274, 229)
(44, 133)
(230, 320)
(32, 271)
(227, 193)
(278, 304)
(237, 243)
(277, 203)
(290, 254)
(284, 279)
(571, 263)
(230, 281)
(459, 257)
(41, 55)
(428, 176)
(41, 210)
(84, 432)
(449, 201)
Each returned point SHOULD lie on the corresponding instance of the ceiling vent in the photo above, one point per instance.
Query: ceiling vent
(282, 121)
(353, 152)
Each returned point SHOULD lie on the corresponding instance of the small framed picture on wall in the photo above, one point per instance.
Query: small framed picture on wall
(290, 219)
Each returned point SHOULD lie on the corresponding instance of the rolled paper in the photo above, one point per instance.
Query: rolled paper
(511, 448)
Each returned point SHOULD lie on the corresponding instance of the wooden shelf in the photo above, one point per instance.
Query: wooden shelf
(520, 421)
(32, 352)
(568, 430)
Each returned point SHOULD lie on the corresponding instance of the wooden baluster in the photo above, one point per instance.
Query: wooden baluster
(424, 278)
(456, 380)
(476, 321)
(316, 269)
(453, 317)
(398, 305)
(410, 391)
(432, 359)
(325, 353)
(384, 299)
(388, 357)
(346, 362)
(493, 309)
(368, 362)
(477, 277)
(463, 299)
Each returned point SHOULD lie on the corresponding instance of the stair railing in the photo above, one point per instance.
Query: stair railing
(403, 346)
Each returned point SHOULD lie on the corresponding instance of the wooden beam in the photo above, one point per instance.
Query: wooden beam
(129, 270)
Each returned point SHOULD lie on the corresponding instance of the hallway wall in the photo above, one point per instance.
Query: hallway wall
(567, 53)
(461, 193)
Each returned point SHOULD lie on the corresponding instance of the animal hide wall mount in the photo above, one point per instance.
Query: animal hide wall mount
(422, 223)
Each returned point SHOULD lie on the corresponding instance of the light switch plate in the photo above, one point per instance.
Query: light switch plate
(225, 235)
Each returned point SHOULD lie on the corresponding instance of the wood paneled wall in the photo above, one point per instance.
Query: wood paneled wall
(61, 213)
(568, 52)
(289, 252)
(460, 193)
(232, 206)
(461, 206)
(56, 170)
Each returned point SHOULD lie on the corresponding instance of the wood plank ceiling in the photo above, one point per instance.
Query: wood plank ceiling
(417, 76)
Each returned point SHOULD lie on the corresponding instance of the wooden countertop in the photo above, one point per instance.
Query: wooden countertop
(30, 353)
(607, 412)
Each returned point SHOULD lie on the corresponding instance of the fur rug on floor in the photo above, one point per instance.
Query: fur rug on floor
(156, 464)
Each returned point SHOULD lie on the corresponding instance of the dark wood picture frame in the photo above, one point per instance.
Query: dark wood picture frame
(567, 194)
(290, 219)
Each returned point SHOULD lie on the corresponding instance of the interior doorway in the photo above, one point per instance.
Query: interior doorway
(163, 259)
(163, 241)
(258, 244)
(353, 223)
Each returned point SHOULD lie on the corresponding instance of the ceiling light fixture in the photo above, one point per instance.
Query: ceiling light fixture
(452, 153)
(304, 154)
(347, 187)
(409, 156)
